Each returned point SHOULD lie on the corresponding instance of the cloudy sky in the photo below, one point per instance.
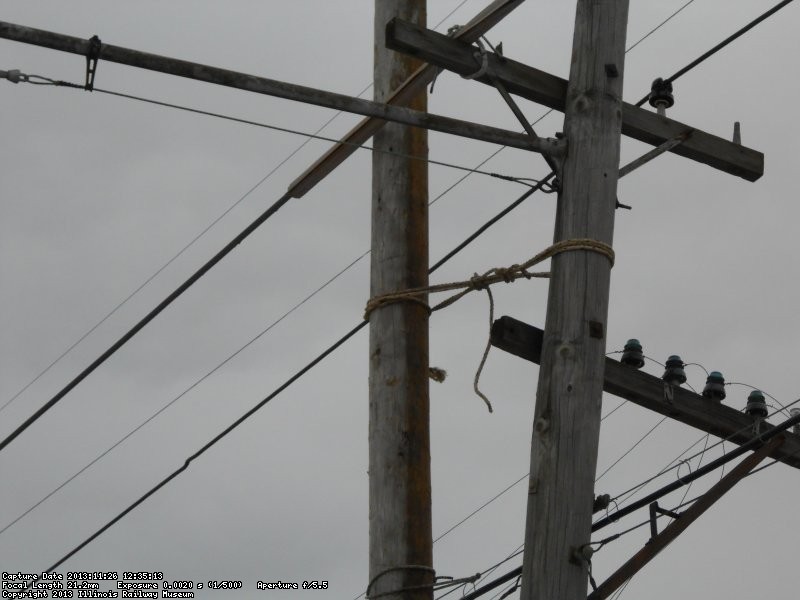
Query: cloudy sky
(98, 193)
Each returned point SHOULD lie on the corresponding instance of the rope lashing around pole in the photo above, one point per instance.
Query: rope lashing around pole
(482, 282)
(490, 277)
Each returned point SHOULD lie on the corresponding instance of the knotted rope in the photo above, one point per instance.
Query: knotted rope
(482, 282)
(490, 277)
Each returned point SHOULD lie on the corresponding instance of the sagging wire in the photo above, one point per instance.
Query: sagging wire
(275, 393)
(773, 398)
(699, 463)
(433, 268)
(671, 465)
(209, 227)
(41, 80)
(631, 449)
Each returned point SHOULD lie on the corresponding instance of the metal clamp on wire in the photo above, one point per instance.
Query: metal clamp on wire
(14, 76)
(92, 55)
(482, 56)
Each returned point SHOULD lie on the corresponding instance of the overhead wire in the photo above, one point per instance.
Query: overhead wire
(314, 136)
(288, 382)
(481, 507)
(671, 79)
(657, 27)
(486, 572)
(752, 387)
(505, 593)
(502, 492)
(720, 46)
(699, 463)
(619, 593)
(247, 415)
(676, 463)
(170, 261)
(175, 294)
(444, 259)
(213, 261)
(672, 464)
(181, 395)
(199, 235)
(631, 449)
(509, 487)
(447, 257)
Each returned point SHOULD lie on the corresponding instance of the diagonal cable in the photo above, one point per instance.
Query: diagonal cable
(201, 234)
(720, 46)
(258, 406)
(148, 317)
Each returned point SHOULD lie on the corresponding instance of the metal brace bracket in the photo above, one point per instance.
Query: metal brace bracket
(554, 159)
(92, 55)
(668, 393)
(656, 510)
(657, 151)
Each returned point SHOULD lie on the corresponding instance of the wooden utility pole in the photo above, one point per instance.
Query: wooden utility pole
(567, 413)
(568, 399)
(400, 537)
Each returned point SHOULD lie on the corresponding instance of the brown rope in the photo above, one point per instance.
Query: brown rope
(485, 354)
(482, 282)
(492, 276)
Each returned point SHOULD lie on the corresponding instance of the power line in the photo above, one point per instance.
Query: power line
(517, 572)
(181, 395)
(631, 449)
(675, 466)
(191, 458)
(307, 298)
(481, 507)
(250, 342)
(215, 259)
(657, 27)
(752, 444)
(721, 45)
(149, 317)
(211, 443)
(258, 406)
(314, 136)
(699, 463)
(203, 232)
(494, 584)
(169, 262)
(485, 574)
(752, 387)
(513, 484)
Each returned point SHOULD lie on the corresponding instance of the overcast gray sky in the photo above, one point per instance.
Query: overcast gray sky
(99, 192)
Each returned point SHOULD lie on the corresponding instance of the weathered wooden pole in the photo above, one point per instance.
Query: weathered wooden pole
(567, 414)
(400, 540)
